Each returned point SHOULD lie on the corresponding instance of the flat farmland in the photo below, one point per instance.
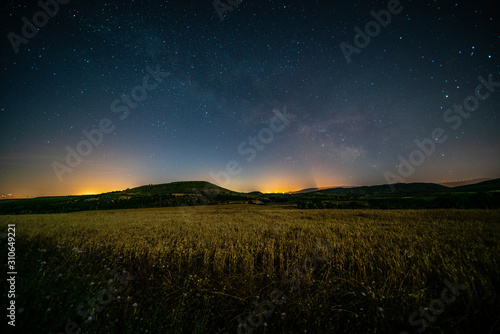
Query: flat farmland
(260, 269)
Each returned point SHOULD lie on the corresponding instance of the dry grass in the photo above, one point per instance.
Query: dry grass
(394, 260)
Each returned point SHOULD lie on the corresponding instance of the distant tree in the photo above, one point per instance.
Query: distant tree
(311, 205)
(318, 203)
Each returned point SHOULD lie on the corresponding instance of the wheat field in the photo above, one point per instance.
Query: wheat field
(260, 269)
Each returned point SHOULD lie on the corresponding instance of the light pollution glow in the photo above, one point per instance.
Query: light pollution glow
(87, 182)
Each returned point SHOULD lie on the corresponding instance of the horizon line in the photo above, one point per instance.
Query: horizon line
(11, 196)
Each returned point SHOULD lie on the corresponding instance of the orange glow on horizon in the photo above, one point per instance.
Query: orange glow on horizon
(279, 191)
(89, 182)
(283, 181)
(89, 193)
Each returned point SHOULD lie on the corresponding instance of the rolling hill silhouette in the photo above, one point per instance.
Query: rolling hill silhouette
(396, 189)
(180, 187)
(490, 185)
(190, 193)
(418, 188)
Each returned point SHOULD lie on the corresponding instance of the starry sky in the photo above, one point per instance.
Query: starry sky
(275, 96)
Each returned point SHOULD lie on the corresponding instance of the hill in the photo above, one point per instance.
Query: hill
(418, 188)
(181, 187)
(490, 185)
(463, 183)
(183, 193)
(189, 193)
(397, 189)
(256, 193)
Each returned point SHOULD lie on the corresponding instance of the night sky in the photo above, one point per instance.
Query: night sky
(266, 99)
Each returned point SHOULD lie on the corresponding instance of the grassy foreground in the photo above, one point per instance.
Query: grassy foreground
(260, 269)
